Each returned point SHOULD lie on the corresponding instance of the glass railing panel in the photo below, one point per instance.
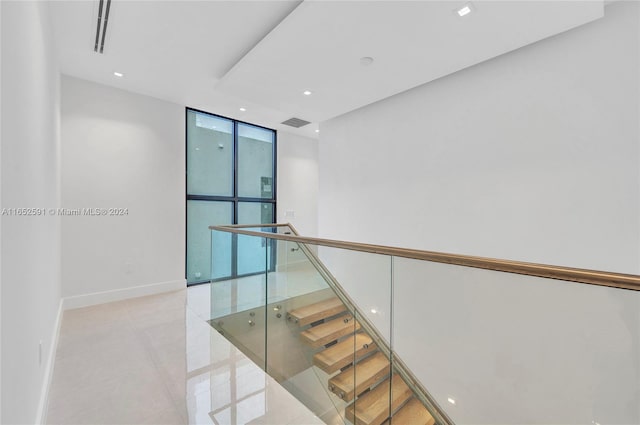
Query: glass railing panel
(366, 278)
(372, 375)
(221, 252)
(264, 316)
(495, 347)
(305, 317)
(238, 305)
(238, 266)
(339, 364)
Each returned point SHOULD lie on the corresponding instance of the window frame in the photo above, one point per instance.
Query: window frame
(235, 198)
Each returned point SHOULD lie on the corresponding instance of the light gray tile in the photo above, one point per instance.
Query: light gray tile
(155, 360)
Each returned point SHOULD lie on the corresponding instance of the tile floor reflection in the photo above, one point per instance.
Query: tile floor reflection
(155, 360)
(250, 292)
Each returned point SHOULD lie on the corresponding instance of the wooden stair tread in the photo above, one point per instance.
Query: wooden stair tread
(320, 335)
(318, 311)
(372, 408)
(413, 413)
(365, 374)
(342, 354)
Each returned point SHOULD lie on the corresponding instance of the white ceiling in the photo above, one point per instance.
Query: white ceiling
(172, 50)
(222, 55)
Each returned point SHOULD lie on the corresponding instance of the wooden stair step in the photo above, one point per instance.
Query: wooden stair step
(318, 311)
(365, 374)
(413, 413)
(320, 335)
(343, 353)
(372, 408)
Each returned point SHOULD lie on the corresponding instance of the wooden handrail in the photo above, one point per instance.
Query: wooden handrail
(592, 277)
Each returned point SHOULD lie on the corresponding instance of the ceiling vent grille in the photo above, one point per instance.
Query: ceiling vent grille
(296, 122)
(103, 19)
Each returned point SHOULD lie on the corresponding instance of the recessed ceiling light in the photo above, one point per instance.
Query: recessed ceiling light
(366, 60)
(317, 131)
(306, 93)
(243, 109)
(374, 311)
(118, 74)
(450, 400)
(464, 10)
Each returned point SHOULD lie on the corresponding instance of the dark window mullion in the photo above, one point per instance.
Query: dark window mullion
(210, 198)
(234, 249)
(274, 170)
(236, 154)
(260, 200)
(274, 181)
(235, 199)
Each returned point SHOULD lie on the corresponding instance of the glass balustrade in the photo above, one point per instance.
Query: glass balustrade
(499, 347)
(372, 338)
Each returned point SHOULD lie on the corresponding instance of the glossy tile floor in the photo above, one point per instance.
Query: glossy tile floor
(155, 360)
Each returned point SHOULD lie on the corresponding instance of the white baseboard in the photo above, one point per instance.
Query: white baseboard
(86, 300)
(48, 371)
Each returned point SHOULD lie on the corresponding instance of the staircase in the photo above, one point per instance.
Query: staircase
(376, 395)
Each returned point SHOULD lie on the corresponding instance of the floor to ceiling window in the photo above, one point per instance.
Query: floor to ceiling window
(230, 180)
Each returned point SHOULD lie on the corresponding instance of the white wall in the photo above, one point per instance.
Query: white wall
(298, 182)
(531, 156)
(126, 150)
(30, 178)
(118, 150)
(121, 150)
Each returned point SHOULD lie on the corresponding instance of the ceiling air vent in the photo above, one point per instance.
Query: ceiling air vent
(103, 19)
(296, 122)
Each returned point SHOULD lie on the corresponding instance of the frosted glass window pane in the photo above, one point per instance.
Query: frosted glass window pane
(255, 162)
(221, 249)
(251, 254)
(209, 155)
(255, 213)
(201, 215)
